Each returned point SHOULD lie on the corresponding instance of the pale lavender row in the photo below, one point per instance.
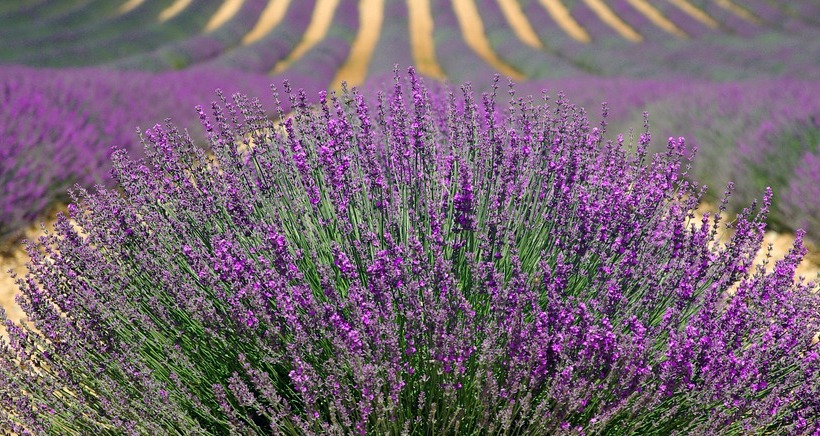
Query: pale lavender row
(755, 133)
(58, 126)
(779, 40)
(783, 46)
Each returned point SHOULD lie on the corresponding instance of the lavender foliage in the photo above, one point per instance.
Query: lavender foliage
(418, 263)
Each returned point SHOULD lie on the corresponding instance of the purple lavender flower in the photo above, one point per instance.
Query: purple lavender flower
(407, 262)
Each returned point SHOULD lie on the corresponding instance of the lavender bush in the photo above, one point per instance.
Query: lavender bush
(424, 263)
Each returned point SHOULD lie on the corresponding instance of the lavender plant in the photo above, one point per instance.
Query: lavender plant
(418, 263)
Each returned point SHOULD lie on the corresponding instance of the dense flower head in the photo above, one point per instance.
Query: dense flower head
(416, 262)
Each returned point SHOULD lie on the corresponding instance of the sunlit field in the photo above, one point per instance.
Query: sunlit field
(409, 217)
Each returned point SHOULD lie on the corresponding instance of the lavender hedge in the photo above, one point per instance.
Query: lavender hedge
(262, 55)
(531, 62)
(423, 264)
(736, 50)
(200, 48)
(33, 140)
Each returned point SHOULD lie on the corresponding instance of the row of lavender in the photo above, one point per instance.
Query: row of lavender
(774, 39)
(58, 127)
(427, 263)
(754, 133)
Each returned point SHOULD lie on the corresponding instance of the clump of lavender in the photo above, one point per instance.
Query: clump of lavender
(427, 263)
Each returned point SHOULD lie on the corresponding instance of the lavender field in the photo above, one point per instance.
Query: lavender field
(409, 217)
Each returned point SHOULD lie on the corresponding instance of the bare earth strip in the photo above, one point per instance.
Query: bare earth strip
(738, 10)
(226, 11)
(354, 70)
(612, 20)
(519, 23)
(14, 262)
(175, 9)
(320, 22)
(657, 18)
(472, 30)
(561, 15)
(270, 17)
(696, 13)
(129, 6)
(421, 39)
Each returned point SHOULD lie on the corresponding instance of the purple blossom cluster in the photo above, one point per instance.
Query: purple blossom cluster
(407, 262)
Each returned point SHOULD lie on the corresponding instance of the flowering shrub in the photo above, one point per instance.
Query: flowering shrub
(420, 264)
